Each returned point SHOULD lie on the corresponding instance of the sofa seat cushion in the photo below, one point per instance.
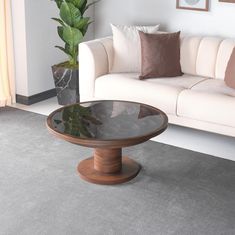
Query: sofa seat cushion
(216, 86)
(185, 81)
(216, 108)
(161, 93)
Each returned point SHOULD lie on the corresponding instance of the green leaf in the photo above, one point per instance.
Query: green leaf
(75, 13)
(83, 7)
(69, 13)
(84, 30)
(59, 21)
(77, 3)
(58, 3)
(80, 3)
(61, 48)
(60, 30)
(82, 23)
(69, 49)
(72, 36)
(86, 6)
(65, 13)
(64, 50)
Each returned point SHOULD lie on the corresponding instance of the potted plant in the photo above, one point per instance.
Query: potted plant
(72, 28)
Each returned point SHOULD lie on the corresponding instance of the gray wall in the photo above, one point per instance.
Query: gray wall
(41, 37)
(218, 21)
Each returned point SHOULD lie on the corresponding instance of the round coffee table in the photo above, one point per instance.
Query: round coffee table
(107, 126)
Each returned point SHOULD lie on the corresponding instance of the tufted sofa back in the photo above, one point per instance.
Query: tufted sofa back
(200, 56)
(206, 56)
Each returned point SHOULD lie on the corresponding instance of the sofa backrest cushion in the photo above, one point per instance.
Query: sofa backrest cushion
(206, 56)
(224, 53)
(230, 71)
(188, 54)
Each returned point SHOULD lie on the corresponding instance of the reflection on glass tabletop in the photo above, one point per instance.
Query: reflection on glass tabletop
(107, 120)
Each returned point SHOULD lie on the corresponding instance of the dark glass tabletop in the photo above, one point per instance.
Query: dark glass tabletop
(107, 120)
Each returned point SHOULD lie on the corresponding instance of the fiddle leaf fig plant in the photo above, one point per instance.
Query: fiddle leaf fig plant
(72, 27)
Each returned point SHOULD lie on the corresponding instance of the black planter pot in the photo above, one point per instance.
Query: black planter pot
(66, 84)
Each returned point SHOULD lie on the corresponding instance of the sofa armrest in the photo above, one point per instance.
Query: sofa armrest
(95, 58)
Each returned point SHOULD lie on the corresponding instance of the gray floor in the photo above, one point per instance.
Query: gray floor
(177, 192)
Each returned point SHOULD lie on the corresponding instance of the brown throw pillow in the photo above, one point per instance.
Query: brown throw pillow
(160, 55)
(230, 71)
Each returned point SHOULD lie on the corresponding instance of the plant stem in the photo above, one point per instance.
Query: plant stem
(73, 61)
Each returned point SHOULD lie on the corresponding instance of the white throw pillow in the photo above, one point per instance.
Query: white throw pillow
(127, 48)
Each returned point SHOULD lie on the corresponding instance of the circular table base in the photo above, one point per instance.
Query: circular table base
(130, 170)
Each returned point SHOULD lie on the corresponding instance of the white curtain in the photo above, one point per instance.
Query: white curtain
(7, 73)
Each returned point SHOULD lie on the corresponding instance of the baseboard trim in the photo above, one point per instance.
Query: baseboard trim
(28, 100)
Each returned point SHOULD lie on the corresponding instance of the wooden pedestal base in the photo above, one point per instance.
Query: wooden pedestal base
(108, 167)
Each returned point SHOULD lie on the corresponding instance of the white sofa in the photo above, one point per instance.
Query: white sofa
(198, 99)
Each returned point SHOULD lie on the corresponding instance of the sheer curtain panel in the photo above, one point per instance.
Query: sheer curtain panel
(7, 78)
